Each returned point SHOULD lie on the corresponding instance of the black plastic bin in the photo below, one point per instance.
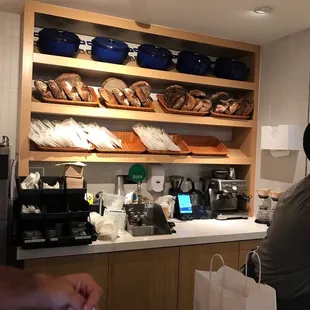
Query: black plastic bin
(35, 242)
(54, 200)
(29, 196)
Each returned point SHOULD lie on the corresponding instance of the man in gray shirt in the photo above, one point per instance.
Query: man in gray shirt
(285, 252)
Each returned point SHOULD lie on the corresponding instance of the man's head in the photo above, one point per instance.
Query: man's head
(307, 141)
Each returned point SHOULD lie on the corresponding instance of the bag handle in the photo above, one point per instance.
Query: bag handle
(210, 278)
(259, 269)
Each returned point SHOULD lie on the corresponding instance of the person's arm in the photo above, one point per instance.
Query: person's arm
(20, 290)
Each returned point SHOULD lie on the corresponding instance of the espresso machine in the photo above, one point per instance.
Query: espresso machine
(228, 199)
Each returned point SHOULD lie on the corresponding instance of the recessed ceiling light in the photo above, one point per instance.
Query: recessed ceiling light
(263, 10)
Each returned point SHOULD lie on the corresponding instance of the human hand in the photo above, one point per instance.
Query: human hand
(74, 292)
(87, 287)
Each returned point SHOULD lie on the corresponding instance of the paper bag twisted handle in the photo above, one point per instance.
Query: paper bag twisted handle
(259, 269)
(210, 286)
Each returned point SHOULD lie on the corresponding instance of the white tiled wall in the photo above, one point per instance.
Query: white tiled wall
(10, 53)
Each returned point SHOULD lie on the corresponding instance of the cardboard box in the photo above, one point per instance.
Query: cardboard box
(74, 170)
(75, 182)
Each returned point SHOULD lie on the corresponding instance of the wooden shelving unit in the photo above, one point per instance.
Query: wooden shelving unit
(103, 113)
(84, 63)
(243, 144)
(235, 157)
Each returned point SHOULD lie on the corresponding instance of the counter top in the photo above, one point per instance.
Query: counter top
(188, 233)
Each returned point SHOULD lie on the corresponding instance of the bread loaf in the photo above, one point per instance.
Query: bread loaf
(217, 97)
(56, 90)
(198, 106)
(113, 83)
(198, 93)
(70, 77)
(132, 98)
(146, 88)
(120, 97)
(249, 108)
(190, 103)
(207, 105)
(220, 107)
(172, 99)
(70, 91)
(172, 89)
(180, 102)
(107, 96)
(233, 105)
(242, 106)
(145, 101)
(83, 91)
(42, 87)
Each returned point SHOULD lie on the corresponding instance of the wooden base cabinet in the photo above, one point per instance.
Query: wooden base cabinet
(199, 257)
(94, 264)
(152, 279)
(144, 280)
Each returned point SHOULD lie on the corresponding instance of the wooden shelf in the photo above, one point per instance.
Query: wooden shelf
(84, 62)
(235, 157)
(103, 113)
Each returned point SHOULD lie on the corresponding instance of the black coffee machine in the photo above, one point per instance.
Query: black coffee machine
(197, 200)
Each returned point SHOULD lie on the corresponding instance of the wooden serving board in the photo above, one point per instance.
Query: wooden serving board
(229, 115)
(205, 145)
(151, 108)
(94, 103)
(162, 103)
(177, 139)
(131, 144)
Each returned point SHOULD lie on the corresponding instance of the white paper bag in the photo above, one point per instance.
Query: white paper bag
(229, 289)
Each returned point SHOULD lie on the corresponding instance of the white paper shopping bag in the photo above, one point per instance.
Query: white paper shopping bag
(210, 293)
(229, 289)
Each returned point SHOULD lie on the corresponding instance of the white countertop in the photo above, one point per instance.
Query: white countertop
(188, 233)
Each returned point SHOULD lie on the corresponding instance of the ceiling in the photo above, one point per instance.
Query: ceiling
(232, 19)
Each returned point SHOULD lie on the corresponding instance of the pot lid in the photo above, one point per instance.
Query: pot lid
(193, 54)
(155, 50)
(58, 35)
(109, 43)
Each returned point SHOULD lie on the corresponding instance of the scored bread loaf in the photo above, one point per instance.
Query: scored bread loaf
(120, 97)
(198, 93)
(113, 83)
(146, 87)
(198, 106)
(70, 91)
(56, 90)
(233, 106)
(132, 98)
(42, 87)
(145, 101)
(84, 91)
(107, 96)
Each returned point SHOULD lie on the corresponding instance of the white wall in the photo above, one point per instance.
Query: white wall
(9, 75)
(284, 97)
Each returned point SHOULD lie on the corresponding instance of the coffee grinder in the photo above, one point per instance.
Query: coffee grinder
(197, 200)
(176, 182)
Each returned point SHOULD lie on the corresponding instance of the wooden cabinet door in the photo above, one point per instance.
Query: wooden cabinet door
(245, 248)
(199, 257)
(144, 280)
(94, 264)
